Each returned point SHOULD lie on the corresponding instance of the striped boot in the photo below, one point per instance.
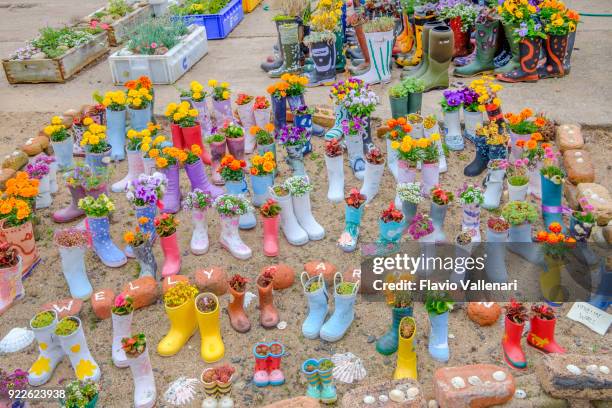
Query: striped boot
(328, 389)
(310, 368)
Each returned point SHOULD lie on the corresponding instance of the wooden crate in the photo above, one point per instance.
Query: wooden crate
(56, 69)
(119, 31)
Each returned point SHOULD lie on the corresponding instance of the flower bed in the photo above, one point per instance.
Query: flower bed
(118, 30)
(218, 26)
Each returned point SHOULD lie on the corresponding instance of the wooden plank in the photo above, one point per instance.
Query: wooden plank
(78, 58)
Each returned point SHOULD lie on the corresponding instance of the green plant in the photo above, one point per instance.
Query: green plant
(123, 305)
(326, 364)
(402, 299)
(155, 35)
(413, 85)
(231, 206)
(97, 207)
(438, 302)
(466, 11)
(179, 294)
(319, 36)
(345, 288)
(118, 8)
(518, 180)
(43, 319)
(516, 312)
(66, 326)
(54, 42)
(198, 7)
(553, 173)
(80, 393)
(165, 224)
(314, 286)
(398, 91)
(519, 212)
(216, 138)
(379, 24)
(135, 345)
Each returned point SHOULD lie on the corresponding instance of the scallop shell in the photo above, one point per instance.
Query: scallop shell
(474, 380)
(348, 368)
(17, 339)
(282, 325)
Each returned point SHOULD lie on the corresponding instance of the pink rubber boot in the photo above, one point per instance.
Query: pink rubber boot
(71, 212)
(172, 255)
(276, 376)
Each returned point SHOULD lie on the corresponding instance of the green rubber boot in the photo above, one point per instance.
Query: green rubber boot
(387, 344)
(486, 45)
(290, 43)
(514, 48)
(441, 46)
(340, 58)
(420, 69)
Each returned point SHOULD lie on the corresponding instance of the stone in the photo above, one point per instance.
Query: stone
(570, 192)
(298, 402)
(490, 392)
(43, 141)
(573, 369)
(172, 280)
(604, 370)
(579, 166)
(569, 136)
(483, 313)
(368, 399)
(410, 390)
(397, 395)
(314, 268)
(31, 147)
(324, 116)
(70, 113)
(142, 290)
(102, 302)
(284, 275)
(5, 174)
(599, 197)
(15, 160)
(212, 279)
(64, 307)
(607, 233)
(559, 382)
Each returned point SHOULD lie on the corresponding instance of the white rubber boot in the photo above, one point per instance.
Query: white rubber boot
(230, 238)
(122, 327)
(354, 145)
(53, 187)
(371, 180)
(471, 221)
(494, 187)
(442, 158)
(135, 168)
(145, 393)
(50, 354)
(292, 230)
(199, 236)
(392, 159)
(303, 213)
(379, 48)
(335, 178)
(75, 347)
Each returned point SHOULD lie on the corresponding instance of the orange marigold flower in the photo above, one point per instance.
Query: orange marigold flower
(555, 227)
(537, 136)
(542, 236)
(253, 130)
(130, 84)
(539, 121)
(531, 144)
(391, 123)
(407, 128)
(553, 239)
(520, 143)
(526, 113)
(401, 121)
(254, 171)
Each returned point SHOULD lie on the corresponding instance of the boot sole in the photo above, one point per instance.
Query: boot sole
(530, 79)
(507, 361)
(329, 400)
(487, 72)
(241, 257)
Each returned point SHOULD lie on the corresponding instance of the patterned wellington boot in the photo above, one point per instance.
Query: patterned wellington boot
(199, 237)
(567, 60)
(529, 49)
(542, 335)
(350, 235)
(513, 63)
(102, 243)
(274, 364)
(261, 352)
(50, 352)
(310, 368)
(344, 313)
(555, 47)
(336, 131)
(316, 294)
(291, 50)
(388, 342)
(379, 48)
(514, 355)
(148, 227)
(75, 347)
(230, 238)
(480, 162)
(486, 44)
(323, 55)
(328, 389)
(72, 211)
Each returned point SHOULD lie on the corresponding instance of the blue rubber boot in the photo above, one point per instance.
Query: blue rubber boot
(139, 118)
(102, 243)
(551, 202)
(148, 227)
(328, 389)
(388, 343)
(336, 131)
(344, 312)
(438, 336)
(247, 221)
(350, 236)
(317, 305)
(602, 298)
(310, 368)
(115, 133)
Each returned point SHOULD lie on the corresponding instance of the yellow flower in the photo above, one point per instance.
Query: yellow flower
(48, 130)
(224, 85)
(132, 134)
(395, 145)
(56, 120)
(212, 83)
(197, 95)
(145, 147)
(85, 368)
(88, 121)
(257, 160)
(268, 166)
(225, 95)
(268, 156)
(435, 137)
(41, 365)
(161, 162)
(137, 102)
(153, 153)
(193, 112)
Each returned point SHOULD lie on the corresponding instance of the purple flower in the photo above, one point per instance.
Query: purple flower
(453, 97)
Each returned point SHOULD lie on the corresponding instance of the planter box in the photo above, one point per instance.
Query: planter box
(56, 69)
(120, 30)
(162, 69)
(218, 26)
(250, 5)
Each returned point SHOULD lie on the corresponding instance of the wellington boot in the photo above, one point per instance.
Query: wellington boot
(542, 335)
(555, 47)
(277, 60)
(144, 382)
(122, 327)
(388, 343)
(379, 48)
(212, 348)
(441, 43)
(328, 389)
(135, 168)
(486, 44)
(172, 255)
(268, 314)
(344, 312)
(317, 305)
(72, 211)
(480, 162)
(527, 71)
(75, 347)
(406, 354)
(183, 325)
(420, 18)
(514, 355)
(238, 317)
(514, 49)
(421, 68)
(50, 353)
(291, 50)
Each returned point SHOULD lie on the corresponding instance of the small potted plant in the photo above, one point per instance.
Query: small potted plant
(406, 366)
(542, 329)
(440, 198)
(461, 17)
(408, 155)
(295, 90)
(261, 111)
(217, 144)
(517, 180)
(398, 98)
(180, 308)
(50, 352)
(115, 103)
(514, 324)
(166, 228)
(582, 221)
(121, 314)
(471, 197)
(222, 105)
(238, 317)
(414, 87)
(355, 205)
(39, 170)
(268, 314)
(270, 216)
(262, 176)
(72, 244)
(207, 315)
(230, 208)
(438, 306)
(410, 196)
(334, 163)
(218, 386)
(417, 121)
(10, 387)
(522, 126)
(391, 224)
(278, 95)
(81, 394)
(463, 241)
(197, 96)
(72, 339)
(137, 352)
(302, 117)
(11, 286)
(264, 137)
(139, 102)
(534, 152)
(61, 140)
(231, 170)
(355, 129)
(398, 128)
(472, 112)
(198, 202)
(186, 130)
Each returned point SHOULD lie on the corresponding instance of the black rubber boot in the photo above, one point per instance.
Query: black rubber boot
(268, 66)
(479, 164)
(323, 55)
(555, 47)
(568, 54)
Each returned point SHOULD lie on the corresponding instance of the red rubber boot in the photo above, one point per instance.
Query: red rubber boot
(542, 335)
(270, 236)
(193, 136)
(177, 136)
(511, 343)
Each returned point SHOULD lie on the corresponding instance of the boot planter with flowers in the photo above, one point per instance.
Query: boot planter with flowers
(218, 386)
(230, 209)
(238, 317)
(198, 202)
(74, 182)
(552, 191)
(354, 129)
(451, 108)
(320, 380)
(234, 137)
(134, 159)
(334, 163)
(554, 245)
(345, 295)
(355, 205)
(514, 324)
(11, 286)
(137, 352)
(262, 177)
(430, 166)
(140, 102)
(264, 138)
(581, 224)
(62, 141)
(168, 162)
(521, 215)
(471, 198)
(278, 96)
(197, 97)
(406, 366)
(71, 337)
(542, 330)
(300, 187)
(98, 225)
(267, 364)
(166, 228)
(431, 128)
(72, 244)
(122, 313)
(530, 46)
(231, 169)
(294, 139)
(150, 147)
(409, 195)
(180, 309)
(495, 247)
(115, 103)
(244, 104)
(270, 217)
(197, 174)
(402, 306)
(398, 128)
(517, 180)
(494, 183)
(39, 170)
(262, 111)
(438, 306)
(222, 105)
(322, 45)
(218, 147)
(292, 230)
(97, 149)
(421, 229)
(207, 311)
(379, 39)
(268, 314)
(391, 225)
(50, 352)
(472, 115)
(141, 245)
(524, 127)
(185, 118)
(316, 294)
(440, 199)
(375, 166)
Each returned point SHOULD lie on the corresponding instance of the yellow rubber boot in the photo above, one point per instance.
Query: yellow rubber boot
(406, 38)
(182, 326)
(212, 348)
(406, 355)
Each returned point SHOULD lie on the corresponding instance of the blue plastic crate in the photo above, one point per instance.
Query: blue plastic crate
(218, 26)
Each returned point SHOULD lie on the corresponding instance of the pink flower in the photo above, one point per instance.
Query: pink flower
(154, 45)
(93, 23)
(120, 300)
(104, 26)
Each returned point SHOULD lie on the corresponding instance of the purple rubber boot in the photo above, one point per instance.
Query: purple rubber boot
(199, 179)
(73, 211)
(172, 197)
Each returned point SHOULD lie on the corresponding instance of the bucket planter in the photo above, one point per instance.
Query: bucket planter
(21, 237)
(58, 69)
(161, 69)
(119, 30)
(220, 25)
(415, 101)
(11, 287)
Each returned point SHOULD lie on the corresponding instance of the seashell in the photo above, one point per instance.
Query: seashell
(397, 395)
(368, 399)
(458, 382)
(592, 369)
(474, 380)
(604, 369)
(348, 368)
(248, 298)
(383, 398)
(17, 339)
(499, 375)
(282, 325)
(451, 336)
(412, 392)
(573, 369)
(520, 394)
(181, 391)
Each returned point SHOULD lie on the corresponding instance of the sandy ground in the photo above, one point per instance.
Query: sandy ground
(23, 109)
